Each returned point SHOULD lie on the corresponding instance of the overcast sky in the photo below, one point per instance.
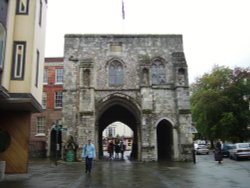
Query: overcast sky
(214, 31)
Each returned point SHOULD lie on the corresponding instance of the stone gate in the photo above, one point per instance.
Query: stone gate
(139, 80)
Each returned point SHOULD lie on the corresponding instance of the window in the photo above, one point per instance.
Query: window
(59, 76)
(158, 72)
(40, 12)
(44, 100)
(2, 45)
(22, 7)
(58, 99)
(115, 73)
(40, 125)
(18, 60)
(45, 76)
(37, 67)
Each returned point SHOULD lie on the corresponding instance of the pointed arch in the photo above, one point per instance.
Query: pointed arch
(164, 132)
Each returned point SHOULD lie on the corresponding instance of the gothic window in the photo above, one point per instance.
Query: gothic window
(86, 77)
(145, 76)
(2, 45)
(115, 73)
(158, 72)
(181, 76)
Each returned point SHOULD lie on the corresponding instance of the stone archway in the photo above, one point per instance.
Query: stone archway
(164, 140)
(117, 108)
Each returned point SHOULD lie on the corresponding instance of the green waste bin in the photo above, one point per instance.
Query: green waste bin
(70, 156)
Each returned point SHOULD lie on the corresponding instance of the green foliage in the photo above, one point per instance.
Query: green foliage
(218, 106)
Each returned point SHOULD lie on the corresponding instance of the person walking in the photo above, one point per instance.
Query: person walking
(218, 152)
(111, 149)
(122, 149)
(88, 153)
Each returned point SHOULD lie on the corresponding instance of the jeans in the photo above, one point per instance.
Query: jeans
(88, 164)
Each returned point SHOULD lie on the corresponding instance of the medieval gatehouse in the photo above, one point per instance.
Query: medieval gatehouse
(139, 80)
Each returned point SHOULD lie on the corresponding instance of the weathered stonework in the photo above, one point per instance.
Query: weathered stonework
(148, 91)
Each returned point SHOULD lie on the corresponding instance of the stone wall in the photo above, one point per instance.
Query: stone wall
(87, 83)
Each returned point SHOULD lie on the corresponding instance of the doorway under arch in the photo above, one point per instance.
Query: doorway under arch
(55, 144)
(117, 109)
(164, 140)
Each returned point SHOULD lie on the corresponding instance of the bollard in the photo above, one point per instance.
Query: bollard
(194, 156)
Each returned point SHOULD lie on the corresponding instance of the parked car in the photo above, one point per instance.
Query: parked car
(240, 150)
(226, 148)
(201, 149)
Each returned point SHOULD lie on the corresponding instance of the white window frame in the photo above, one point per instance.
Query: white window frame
(58, 99)
(45, 76)
(44, 100)
(59, 76)
(40, 126)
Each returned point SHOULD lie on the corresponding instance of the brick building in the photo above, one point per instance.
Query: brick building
(42, 135)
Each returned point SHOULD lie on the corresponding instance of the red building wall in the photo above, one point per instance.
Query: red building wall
(39, 144)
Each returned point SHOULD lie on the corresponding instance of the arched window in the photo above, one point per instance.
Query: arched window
(86, 77)
(158, 72)
(2, 44)
(115, 73)
(145, 76)
(181, 76)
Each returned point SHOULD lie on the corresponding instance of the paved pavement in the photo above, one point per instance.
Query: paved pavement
(132, 174)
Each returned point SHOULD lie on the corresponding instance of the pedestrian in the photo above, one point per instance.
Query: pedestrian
(122, 149)
(89, 153)
(218, 152)
(117, 150)
(111, 149)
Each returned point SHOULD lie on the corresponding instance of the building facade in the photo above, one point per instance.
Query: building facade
(22, 43)
(139, 80)
(42, 136)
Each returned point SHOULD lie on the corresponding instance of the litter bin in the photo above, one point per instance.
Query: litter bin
(70, 156)
(2, 170)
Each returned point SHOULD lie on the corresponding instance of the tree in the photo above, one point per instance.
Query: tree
(218, 107)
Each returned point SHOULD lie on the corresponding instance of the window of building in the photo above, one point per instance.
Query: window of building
(40, 126)
(2, 45)
(40, 12)
(115, 73)
(44, 100)
(22, 7)
(45, 76)
(59, 76)
(58, 99)
(18, 60)
(158, 72)
(37, 67)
